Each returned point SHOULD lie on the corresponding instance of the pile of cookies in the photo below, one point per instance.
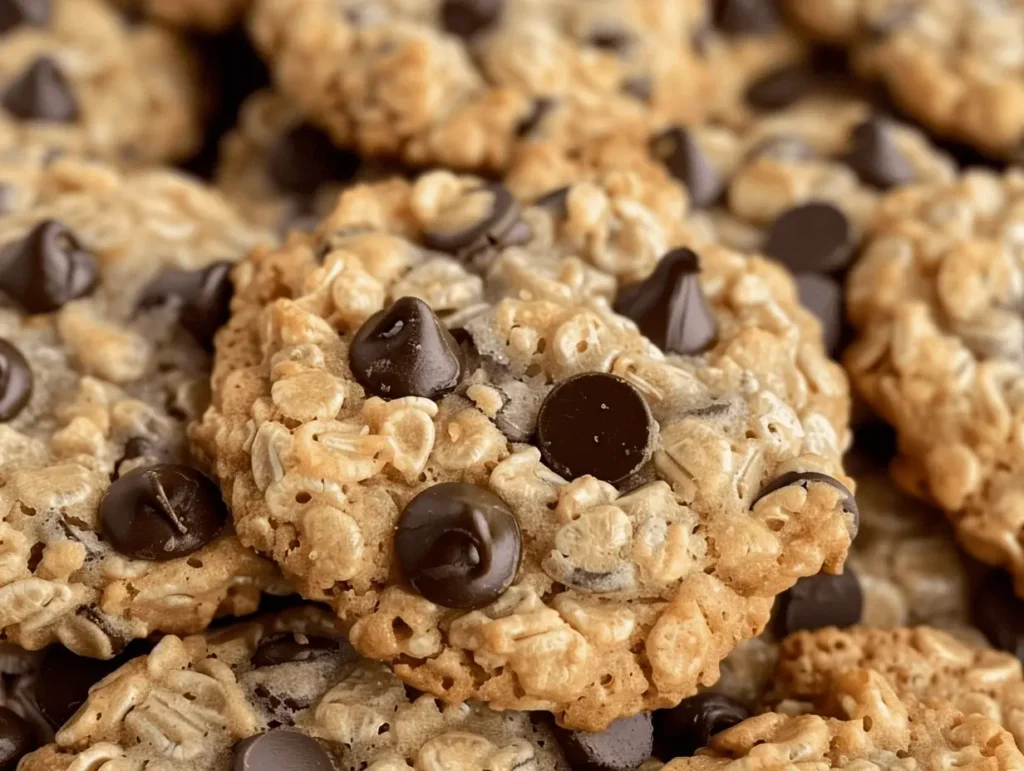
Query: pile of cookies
(511, 385)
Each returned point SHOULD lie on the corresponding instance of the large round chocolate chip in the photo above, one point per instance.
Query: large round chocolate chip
(999, 613)
(405, 350)
(289, 649)
(466, 18)
(23, 13)
(161, 512)
(201, 297)
(823, 296)
(41, 93)
(681, 731)
(598, 424)
(17, 739)
(47, 268)
(304, 159)
(780, 88)
(623, 746)
(669, 306)
(876, 157)
(15, 381)
(814, 237)
(682, 155)
(484, 221)
(819, 601)
(459, 545)
(807, 478)
(280, 750)
(746, 17)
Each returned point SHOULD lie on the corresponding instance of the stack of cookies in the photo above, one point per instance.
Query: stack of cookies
(511, 385)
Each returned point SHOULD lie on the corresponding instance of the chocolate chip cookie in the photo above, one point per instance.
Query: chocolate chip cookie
(111, 287)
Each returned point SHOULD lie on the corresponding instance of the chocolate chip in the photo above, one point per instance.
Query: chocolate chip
(142, 447)
(679, 150)
(47, 268)
(598, 424)
(999, 613)
(623, 746)
(405, 350)
(681, 731)
(807, 478)
(613, 40)
(17, 739)
(539, 108)
(466, 18)
(202, 298)
(289, 649)
(823, 296)
(459, 545)
(42, 93)
(556, 202)
(161, 512)
(280, 749)
(780, 88)
(487, 221)
(819, 601)
(746, 17)
(28, 13)
(304, 159)
(814, 237)
(876, 157)
(15, 381)
(669, 306)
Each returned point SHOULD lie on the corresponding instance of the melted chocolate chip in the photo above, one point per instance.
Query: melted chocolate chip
(23, 13)
(669, 306)
(304, 159)
(459, 545)
(17, 739)
(202, 298)
(807, 478)
(47, 268)
(43, 93)
(15, 381)
(819, 601)
(999, 613)
(780, 88)
(280, 750)
(814, 237)
(598, 424)
(489, 223)
(289, 648)
(679, 150)
(746, 17)
(875, 155)
(681, 731)
(405, 350)
(623, 746)
(823, 296)
(161, 512)
(466, 18)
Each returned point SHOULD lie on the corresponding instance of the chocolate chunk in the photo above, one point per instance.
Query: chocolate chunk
(539, 108)
(487, 221)
(405, 350)
(876, 157)
(15, 381)
(202, 298)
(556, 202)
(598, 424)
(814, 237)
(17, 739)
(28, 13)
(47, 268)
(806, 478)
(142, 447)
(681, 731)
(43, 93)
(823, 296)
(623, 746)
(780, 88)
(999, 613)
(289, 648)
(280, 750)
(819, 601)
(466, 18)
(304, 159)
(669, 306)
(161, 512)
(679, 150)
(459, 545)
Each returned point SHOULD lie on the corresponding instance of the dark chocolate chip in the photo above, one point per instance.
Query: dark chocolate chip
(304, 159)
(556, 202)
(459, 545)
(161, 512)
(679, 150)
(639, 87)
(288, 649)
(142, 447)
(280, 750)
(823, 296)
(17, 739)
(27, 13)
(202, 298)
(746, 17)
(539, 108)
(814, 237)
(466, 18)
(780, 88)
(669, 306)
(598, 424)
(15, 381)
(876, 157)
(681, 731)
(623, 746)
(615, 41)
(819, 601)
(47, 268)
(405, 350)
(999, 613)
(805, 478)
(43, 93)
(490, 223)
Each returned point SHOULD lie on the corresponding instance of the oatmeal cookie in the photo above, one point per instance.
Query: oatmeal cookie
(111, 286)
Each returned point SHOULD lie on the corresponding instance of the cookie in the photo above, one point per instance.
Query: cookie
(76, 77)
(111, 286)
(204, 15)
